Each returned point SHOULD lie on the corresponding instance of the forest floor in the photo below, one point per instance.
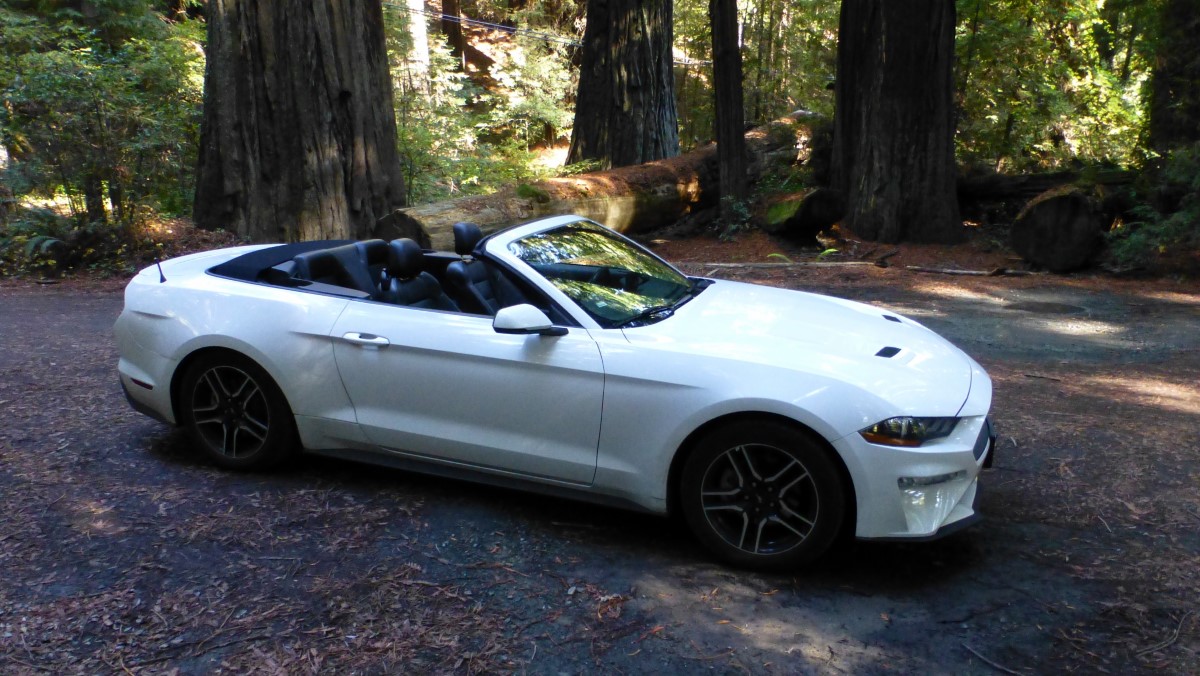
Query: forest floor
(124, 552)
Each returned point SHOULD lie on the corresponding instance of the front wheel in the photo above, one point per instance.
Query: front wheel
(235, 413)
(762, 495)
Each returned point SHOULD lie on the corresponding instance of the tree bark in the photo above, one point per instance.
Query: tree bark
(893, 152)
(1175, 82)
(452, 29)
(298, 138)
(728, 104)
(626, 199)
(625, 111)
(93, 198)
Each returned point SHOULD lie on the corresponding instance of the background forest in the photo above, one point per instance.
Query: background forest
(100, 105)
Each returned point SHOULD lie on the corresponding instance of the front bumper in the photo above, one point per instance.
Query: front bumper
(919, 493)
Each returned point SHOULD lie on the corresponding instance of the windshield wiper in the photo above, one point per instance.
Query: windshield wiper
(657, 312)
(660, 312)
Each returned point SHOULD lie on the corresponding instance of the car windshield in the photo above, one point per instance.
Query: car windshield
(613, 280)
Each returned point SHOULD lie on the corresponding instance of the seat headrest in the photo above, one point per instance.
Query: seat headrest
(405, 259)
(373, 251)
(466, 236)
(313, 265)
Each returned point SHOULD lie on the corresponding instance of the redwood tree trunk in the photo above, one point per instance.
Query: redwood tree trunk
(727, 81)
(1175, 84)
(298, 139)
(893, 155)
(452, 29)
(625, 112)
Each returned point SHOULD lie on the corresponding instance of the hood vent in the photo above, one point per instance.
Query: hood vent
(892, 319)
(888, 352)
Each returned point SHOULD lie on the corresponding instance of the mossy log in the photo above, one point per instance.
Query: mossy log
(626, 199)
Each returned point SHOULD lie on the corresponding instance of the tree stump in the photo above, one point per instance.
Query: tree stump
(1060, 230)
(800, 218)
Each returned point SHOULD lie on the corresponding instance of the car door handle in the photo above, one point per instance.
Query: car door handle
(366, 339)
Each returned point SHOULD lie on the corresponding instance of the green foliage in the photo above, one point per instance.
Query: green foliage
(1044, 83)
(458, 138)
(102, 108)
(534, 193)
(735, 217)
(1167, 222)
(789, 56)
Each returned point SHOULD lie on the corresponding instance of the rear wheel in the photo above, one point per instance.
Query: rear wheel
(763, 495)
(235, 413)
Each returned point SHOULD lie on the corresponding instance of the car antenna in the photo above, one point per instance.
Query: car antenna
(161, 277)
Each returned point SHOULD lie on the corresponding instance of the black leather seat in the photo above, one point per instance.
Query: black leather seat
(374, 253)
(339, 266)
(473, 284)
(408, 284)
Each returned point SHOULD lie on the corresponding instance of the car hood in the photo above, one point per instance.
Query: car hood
(880, 352)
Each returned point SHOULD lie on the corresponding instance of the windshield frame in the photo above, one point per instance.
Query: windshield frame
(497, 247)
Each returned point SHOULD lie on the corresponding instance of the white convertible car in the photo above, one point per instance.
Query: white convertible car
(561, 357)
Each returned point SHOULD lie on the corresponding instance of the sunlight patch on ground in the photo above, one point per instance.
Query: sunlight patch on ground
(1076, 326)
(1151, 392)
(1173, 297)
(551, 158)
(955, 292)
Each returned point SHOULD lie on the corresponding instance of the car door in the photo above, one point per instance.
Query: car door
(445, 386)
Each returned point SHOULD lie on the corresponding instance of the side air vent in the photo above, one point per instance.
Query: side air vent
(888, 352)
(892, 319)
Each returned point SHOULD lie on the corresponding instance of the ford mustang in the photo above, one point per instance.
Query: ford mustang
(561, 357)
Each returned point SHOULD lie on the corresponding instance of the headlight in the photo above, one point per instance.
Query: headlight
(908, 431)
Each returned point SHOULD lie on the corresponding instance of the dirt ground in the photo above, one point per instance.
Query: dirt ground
(123, 552)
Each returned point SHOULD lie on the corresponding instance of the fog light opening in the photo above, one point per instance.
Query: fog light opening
(906, 482)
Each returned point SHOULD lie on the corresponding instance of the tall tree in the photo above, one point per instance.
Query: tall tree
(727, 92)
(1175, 84)
(298, 139)
(893, 155)
(625, 111)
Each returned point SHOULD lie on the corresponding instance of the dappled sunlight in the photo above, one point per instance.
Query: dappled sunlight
(1173, 297)
(94, 518)
(1149, 391)
(1075, 326)
(954, 292)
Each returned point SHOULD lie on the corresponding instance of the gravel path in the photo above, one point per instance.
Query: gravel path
(123, 551)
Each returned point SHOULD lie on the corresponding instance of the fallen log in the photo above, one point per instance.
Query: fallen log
(799, 264)
(998, 272)
(989, 186)
(627, 199)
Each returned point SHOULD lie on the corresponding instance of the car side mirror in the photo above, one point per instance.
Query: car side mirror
(525, 319)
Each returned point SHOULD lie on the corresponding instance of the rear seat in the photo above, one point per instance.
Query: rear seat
(374, 252)
(339, 266)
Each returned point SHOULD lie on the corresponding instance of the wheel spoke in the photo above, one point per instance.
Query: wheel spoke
(725, 508)
(253, 428)
(741, 450)
(780, 478)
(793, 514)
(236, 394)
(213, 380)
(745, 527)
(788, 526)
(758, 536)
(220, 420)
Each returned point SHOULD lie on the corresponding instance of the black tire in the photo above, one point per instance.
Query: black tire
(235, 413)
(763, 495)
